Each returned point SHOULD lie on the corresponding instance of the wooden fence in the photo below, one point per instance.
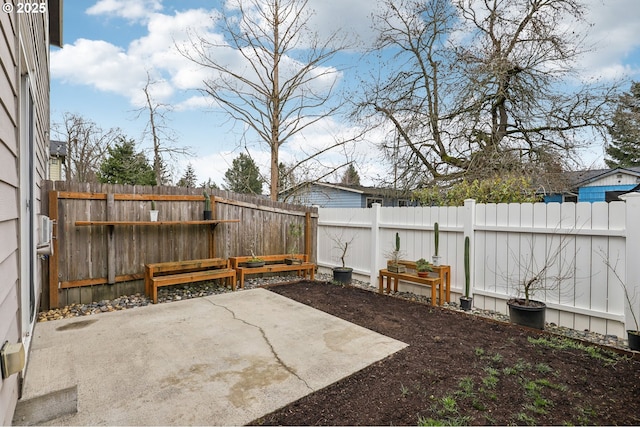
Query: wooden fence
(509, 241)
(103, 236)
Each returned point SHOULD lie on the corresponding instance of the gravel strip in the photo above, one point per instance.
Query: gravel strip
(178, 293)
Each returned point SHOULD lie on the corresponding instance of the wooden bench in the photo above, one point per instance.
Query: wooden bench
(273, 264)
(174, 273)
(393, 278)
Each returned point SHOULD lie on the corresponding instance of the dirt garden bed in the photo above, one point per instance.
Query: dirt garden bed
(462, 369)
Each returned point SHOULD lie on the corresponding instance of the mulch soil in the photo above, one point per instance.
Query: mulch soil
(462, 369)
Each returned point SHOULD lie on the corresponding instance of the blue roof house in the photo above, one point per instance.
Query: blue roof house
(601, 185)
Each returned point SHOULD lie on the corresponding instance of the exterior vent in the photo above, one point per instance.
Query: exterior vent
(45, 245)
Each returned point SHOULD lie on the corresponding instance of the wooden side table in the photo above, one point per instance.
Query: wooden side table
(445, 281)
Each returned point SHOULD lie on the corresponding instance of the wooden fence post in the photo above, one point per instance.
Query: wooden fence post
(53, 258)
(111, 248)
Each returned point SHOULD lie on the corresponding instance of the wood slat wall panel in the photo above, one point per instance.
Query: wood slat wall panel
(83, 249)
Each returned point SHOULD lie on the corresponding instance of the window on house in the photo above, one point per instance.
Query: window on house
(372, 200)
(403, 203)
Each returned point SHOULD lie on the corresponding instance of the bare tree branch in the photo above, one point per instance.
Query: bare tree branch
(285, 84)
(477, 88)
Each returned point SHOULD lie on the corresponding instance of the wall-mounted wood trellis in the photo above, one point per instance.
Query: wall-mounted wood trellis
(104, 238)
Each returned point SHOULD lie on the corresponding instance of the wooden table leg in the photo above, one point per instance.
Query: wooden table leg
(380, 284)
(448, 282)
(434, 288)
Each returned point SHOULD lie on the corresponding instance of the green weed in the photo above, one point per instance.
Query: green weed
(524, 418)
(608, 357)
(404, 390)
(490, 382)
(543, 368)
(466, 387)
(496, 358)
(449, 404)
(522, 366)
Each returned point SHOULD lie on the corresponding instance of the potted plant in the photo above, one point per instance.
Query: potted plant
(633, 335)
(537, 276)
(207, 214)
(342, 274)
(423, 267)
(295, 231)
(466, 300)
(254, 261)
(436, 238)
(153, 213)
(393, 264)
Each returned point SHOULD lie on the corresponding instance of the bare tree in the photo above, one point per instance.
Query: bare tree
(87, 145)
(477, 88)
(161, 135)
(285, 83)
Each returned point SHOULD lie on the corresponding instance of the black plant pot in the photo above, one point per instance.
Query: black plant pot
(207, 215)
(342, 274)
(634, 339)
(531, 315)
(465, 303)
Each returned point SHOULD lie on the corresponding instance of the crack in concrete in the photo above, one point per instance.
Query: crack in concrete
(266, 339)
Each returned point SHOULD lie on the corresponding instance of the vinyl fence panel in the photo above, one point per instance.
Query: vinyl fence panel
(579, 250)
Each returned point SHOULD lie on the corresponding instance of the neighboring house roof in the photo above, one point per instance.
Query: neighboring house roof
(594, 175)
(58, 148)
(358, 189)
(55, 22)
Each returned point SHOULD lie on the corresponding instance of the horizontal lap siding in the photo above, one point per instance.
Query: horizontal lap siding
(9, 311)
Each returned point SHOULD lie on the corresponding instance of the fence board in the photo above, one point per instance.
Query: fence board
(83, 251)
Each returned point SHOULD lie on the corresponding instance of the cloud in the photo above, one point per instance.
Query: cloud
(615, 34)
(99, 64)
(132, 10)
(114, 69)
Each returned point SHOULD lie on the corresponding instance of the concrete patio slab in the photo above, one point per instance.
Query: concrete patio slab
(219, 360)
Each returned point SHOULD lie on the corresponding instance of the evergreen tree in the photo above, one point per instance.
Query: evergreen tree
(285, 176)
(189, 178)
(243, 176)
(625, 131)
(124, 166)
(350, 176)
(209, 184)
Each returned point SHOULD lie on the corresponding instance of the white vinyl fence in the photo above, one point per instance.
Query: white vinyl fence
(590, 250)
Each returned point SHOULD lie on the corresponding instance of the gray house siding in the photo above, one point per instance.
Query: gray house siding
(9, 188)
(333, 197)
(24, 127)
(327, 195)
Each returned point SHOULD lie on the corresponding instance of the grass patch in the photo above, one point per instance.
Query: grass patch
(608, 357)
(474, 396)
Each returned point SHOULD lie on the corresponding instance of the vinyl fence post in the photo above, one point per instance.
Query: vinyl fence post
(469, 227)
(632, 273)
(375, 244)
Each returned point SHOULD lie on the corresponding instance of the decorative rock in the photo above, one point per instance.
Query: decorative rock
(177, 293)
